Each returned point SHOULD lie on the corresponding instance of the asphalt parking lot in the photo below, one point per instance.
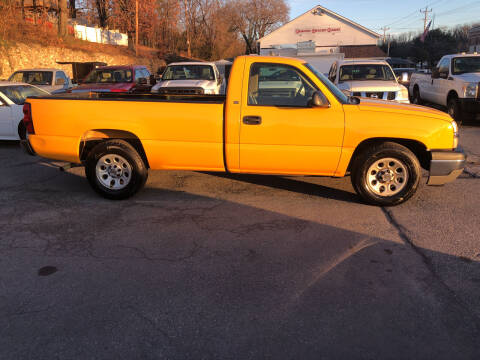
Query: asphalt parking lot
(209, 266)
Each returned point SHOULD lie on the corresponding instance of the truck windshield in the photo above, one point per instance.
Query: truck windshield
(109, 76)
(33, 77)
(463, 65)
(19, 93)
(336, 91)
(365, 73)
(189, 72)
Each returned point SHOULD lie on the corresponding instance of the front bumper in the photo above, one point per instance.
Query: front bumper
(446, 166)
(470, 105)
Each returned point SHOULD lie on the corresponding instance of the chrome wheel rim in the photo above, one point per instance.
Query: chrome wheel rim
(113, 171)
(387, 177)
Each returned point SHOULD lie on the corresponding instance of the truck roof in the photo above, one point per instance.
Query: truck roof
(462, 55)
(120, 67)
(39, 69)
(192, 63)
(362, 61)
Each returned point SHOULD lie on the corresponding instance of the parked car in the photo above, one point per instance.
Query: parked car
(453, 83)
(12, 98)
(190, 78)
(315, 131)
(52, 80)
(124, 78)
(403, 75)
(368, 78)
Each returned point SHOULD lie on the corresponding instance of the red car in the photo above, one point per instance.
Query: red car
(125, 79)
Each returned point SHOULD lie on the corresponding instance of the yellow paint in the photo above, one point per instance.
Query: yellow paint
(181, 135)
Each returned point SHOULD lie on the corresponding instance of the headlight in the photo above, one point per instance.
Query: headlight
(455, 134)
(470, 90)
(209, 91)
(403, 94)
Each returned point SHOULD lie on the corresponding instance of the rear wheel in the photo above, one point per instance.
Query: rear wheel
(386, 174)
(115, 170)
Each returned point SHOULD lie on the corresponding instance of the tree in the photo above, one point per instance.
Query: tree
(62, 18)
(253, 19)
(72, 8)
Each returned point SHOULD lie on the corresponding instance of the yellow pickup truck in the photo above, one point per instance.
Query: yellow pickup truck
(280, 116)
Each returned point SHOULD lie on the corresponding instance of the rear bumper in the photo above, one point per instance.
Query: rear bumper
(470, 105)
(446, 166)
(27, 147)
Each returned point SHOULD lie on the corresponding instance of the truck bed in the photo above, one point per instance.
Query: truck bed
(176, 131)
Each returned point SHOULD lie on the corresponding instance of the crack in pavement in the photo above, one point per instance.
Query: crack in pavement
(403, 233)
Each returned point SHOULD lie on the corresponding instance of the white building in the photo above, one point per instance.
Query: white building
(321, 36)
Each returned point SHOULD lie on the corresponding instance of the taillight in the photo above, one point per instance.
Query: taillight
(27, 118)
(120, 90)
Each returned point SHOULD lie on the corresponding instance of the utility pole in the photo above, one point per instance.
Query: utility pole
(136, 28)
(426, 11)
(385, 29)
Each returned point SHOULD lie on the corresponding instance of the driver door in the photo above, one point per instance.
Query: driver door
(280, 132)
(6, 125)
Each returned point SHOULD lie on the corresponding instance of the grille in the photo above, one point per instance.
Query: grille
(390, 95)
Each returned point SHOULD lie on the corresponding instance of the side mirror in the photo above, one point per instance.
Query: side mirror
(153, 81)
(443, 75)
(220, 81)
(60, 81)
(142, 81)
(319, 100)
(435, 73)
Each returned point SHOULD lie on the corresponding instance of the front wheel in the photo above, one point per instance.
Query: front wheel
(115, 170)
(417, 99)
(386, 174)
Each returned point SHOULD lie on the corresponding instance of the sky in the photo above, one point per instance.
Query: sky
(400, 16)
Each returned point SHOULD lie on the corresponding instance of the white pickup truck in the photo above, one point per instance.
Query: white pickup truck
(54, 81)
(453, 83)
(368, 78)
(196, 78)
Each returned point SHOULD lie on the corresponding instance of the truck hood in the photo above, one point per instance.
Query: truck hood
(205, 84)
(469, 77)
(407, 109)
(373, 85)
(101, 87)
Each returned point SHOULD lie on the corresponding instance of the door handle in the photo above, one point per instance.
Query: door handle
(252, 120)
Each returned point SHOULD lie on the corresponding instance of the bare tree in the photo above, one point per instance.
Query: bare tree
(253, 19)
(102, 7)
(62, 18)
(72, 8)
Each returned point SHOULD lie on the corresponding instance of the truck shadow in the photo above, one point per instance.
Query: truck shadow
(291, 184)
(192, 276)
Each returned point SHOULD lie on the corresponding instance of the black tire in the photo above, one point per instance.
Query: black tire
(360, 175)
(137, 171)
(22, 131)
(454, 110)
(416, 98)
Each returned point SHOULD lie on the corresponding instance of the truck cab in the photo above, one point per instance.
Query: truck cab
(453, 83)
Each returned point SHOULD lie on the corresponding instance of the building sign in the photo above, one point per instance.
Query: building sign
(315, 30)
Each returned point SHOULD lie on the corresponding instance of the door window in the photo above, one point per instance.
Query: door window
(443, 66)
(60, 78)
(278, 85)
